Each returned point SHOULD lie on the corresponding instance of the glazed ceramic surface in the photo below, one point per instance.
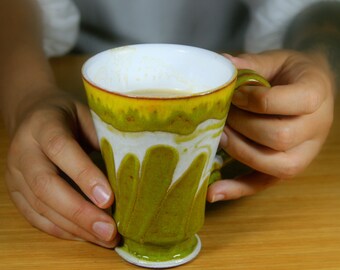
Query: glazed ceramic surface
(159, 111)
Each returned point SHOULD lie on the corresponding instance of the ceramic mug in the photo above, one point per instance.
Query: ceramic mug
(159, 112)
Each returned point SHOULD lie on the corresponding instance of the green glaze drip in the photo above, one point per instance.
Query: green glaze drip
(107, 154)
(156, 175)
(128, 175)
(168, 226)
(196, 216)
(158, 219)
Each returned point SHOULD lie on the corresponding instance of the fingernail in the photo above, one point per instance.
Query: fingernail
(217, 197)
(104, 230)
(100, 195)
(240, 99)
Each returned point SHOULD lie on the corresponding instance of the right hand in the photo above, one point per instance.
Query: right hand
(51, 138)
(279, 131)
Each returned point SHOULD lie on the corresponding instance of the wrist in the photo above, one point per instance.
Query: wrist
(19, 107)
(25, 77)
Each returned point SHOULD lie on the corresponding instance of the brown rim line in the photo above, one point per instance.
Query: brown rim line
(205, 93)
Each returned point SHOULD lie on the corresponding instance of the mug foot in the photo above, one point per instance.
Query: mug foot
(159, 264)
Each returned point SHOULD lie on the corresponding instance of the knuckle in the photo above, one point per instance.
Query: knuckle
(55, 231)
(36, 120)
(290, 168)
(83, 173)
(56, 143)
(46, 226)
(23, 206)
(251, 60)
(283, 138)
(30, 216)
(40, 185)
(312, 101)
(263, 102)
(78, 213)
(36, 213)
(14, 147)
(39, 207)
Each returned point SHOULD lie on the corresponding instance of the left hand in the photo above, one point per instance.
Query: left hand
(51, 136)
(276, 131)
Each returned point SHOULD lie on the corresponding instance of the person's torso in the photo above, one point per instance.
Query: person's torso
(216, 25)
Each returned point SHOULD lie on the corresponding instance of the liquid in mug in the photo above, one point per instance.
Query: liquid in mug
(159, 93)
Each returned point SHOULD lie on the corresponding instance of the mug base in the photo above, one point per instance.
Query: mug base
(157, 264)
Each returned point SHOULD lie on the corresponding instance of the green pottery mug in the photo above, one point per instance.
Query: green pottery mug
(159, 112)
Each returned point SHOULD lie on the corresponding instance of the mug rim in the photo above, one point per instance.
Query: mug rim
(95, 85)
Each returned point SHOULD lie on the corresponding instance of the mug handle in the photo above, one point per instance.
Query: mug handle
(222, 159)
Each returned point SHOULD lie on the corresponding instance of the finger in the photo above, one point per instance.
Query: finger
(246, 185)
(280, 133)
(22, 197)
(294, 99)
(38, 221)
(293, 83)
(280, 164)
(61, 148)
(45, 218)
(49, 223)
(49, 188)
(267, 64)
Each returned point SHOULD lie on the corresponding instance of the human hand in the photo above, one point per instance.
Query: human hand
(51, 138)
(277, 131)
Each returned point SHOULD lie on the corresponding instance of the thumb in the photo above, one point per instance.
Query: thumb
(266, 64)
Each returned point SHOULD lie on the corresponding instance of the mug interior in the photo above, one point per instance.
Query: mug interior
(158, 67)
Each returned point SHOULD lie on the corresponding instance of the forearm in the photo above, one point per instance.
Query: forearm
(24, 72)
(317, 29)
